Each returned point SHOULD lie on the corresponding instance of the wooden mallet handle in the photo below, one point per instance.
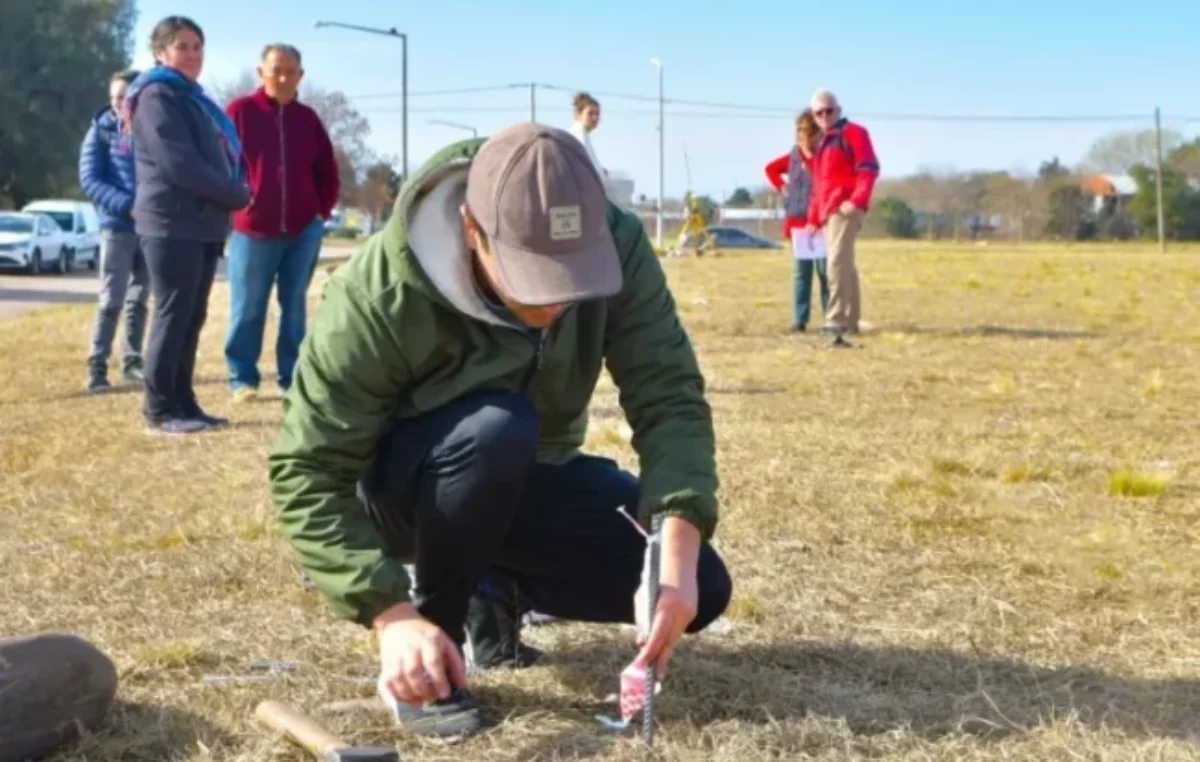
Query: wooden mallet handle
(298, 727)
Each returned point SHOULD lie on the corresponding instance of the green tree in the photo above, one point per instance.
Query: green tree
(898, 218)
(740, 197)
(1181, 204)
(56, 57)
(1068, 217)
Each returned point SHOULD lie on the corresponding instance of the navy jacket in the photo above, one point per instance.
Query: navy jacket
(106, 172)
(186, 188)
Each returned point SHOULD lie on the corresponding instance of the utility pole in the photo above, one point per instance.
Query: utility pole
(389, 32)
(1158, 181)
(533, 101)
(658, 217)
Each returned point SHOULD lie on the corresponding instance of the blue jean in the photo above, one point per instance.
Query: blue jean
(803, 290)
(256, 264)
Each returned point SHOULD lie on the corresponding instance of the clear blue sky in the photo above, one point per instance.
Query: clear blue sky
(882, 57)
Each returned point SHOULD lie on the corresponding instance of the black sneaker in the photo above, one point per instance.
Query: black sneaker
(457, 716)
(177, 426)
(133, 375)
(494, 630)
(211, 421)
(839, 342)
(98, 384)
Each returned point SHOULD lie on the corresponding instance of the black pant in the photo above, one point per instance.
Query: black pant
(181, 275)
(459, 493)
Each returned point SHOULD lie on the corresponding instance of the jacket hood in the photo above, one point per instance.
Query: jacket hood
(105, 117)
(426, 221)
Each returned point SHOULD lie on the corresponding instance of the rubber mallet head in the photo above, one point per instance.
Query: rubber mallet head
(362, 754)
(322, 744)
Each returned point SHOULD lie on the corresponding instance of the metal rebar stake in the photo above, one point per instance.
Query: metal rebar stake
(653, 555)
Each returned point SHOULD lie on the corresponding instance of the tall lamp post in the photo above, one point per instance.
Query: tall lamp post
(389, 32)
(474, 132)
(658, 218)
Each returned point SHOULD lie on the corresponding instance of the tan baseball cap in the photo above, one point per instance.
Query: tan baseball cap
(542, 206)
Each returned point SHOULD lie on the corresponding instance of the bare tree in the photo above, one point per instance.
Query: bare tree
(226, 91)
(348, 130)
(1117, 152)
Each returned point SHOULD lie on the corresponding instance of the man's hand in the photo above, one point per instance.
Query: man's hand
(417, 661)
(848, 208)
(677, 596)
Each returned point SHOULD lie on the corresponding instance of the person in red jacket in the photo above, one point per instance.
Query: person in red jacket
(789, 174)
(277, 238)
(844, 173)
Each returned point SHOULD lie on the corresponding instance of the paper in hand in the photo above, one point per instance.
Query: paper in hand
(808, 243)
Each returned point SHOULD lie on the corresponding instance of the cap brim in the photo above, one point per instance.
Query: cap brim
(538, 280)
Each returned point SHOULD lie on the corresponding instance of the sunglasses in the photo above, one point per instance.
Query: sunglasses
(824, 111)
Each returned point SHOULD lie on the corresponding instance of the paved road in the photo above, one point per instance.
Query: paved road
(21, 293)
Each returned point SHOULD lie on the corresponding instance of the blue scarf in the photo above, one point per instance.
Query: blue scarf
(225, 129)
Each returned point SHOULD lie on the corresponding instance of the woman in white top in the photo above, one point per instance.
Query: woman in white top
(587, 117)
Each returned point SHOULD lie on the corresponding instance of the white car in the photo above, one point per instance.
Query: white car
(78, 219)
(33, 243)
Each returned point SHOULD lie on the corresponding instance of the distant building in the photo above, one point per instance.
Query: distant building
(1112, 191)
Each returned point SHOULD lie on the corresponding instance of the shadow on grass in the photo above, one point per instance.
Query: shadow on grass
(748, 390)
(118, 389)
(47, 296)
(137, 732)
(984, 331)
(886, 689)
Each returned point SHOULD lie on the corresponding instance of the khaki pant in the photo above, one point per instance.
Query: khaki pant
(845, 303)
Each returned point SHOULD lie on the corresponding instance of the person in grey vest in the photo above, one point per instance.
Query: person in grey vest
(106, 176)
(790, 174)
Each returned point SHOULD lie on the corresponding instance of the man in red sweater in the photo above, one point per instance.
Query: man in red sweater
(844, 173)
(277, 238)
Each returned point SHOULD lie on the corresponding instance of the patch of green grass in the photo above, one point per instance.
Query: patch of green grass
(950, 467)
(1154, 384)
(905, 483)
(1129, 483)
(1026, 472)
(745, 607)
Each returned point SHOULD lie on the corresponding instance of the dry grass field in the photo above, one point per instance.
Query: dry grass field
(973, 538)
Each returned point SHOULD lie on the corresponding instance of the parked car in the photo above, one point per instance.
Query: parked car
(736, 238)
(725, 237)
(78, 219)
(31, 241)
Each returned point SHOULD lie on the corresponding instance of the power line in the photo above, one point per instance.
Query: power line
(760, 111)
(866, 116)
(450, 91)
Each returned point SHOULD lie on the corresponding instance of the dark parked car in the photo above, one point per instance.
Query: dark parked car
(735, 238)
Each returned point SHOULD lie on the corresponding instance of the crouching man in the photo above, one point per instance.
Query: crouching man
(438, 408)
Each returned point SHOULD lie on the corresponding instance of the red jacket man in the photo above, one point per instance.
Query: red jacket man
(844, 173)
(276, 240)
(844, 169)
(290, 165)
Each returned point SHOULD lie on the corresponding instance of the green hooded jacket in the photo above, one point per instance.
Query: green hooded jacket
(403, 329)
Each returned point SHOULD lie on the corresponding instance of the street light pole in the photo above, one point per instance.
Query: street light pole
(658, 219)
(389, 32)
(474, 132)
